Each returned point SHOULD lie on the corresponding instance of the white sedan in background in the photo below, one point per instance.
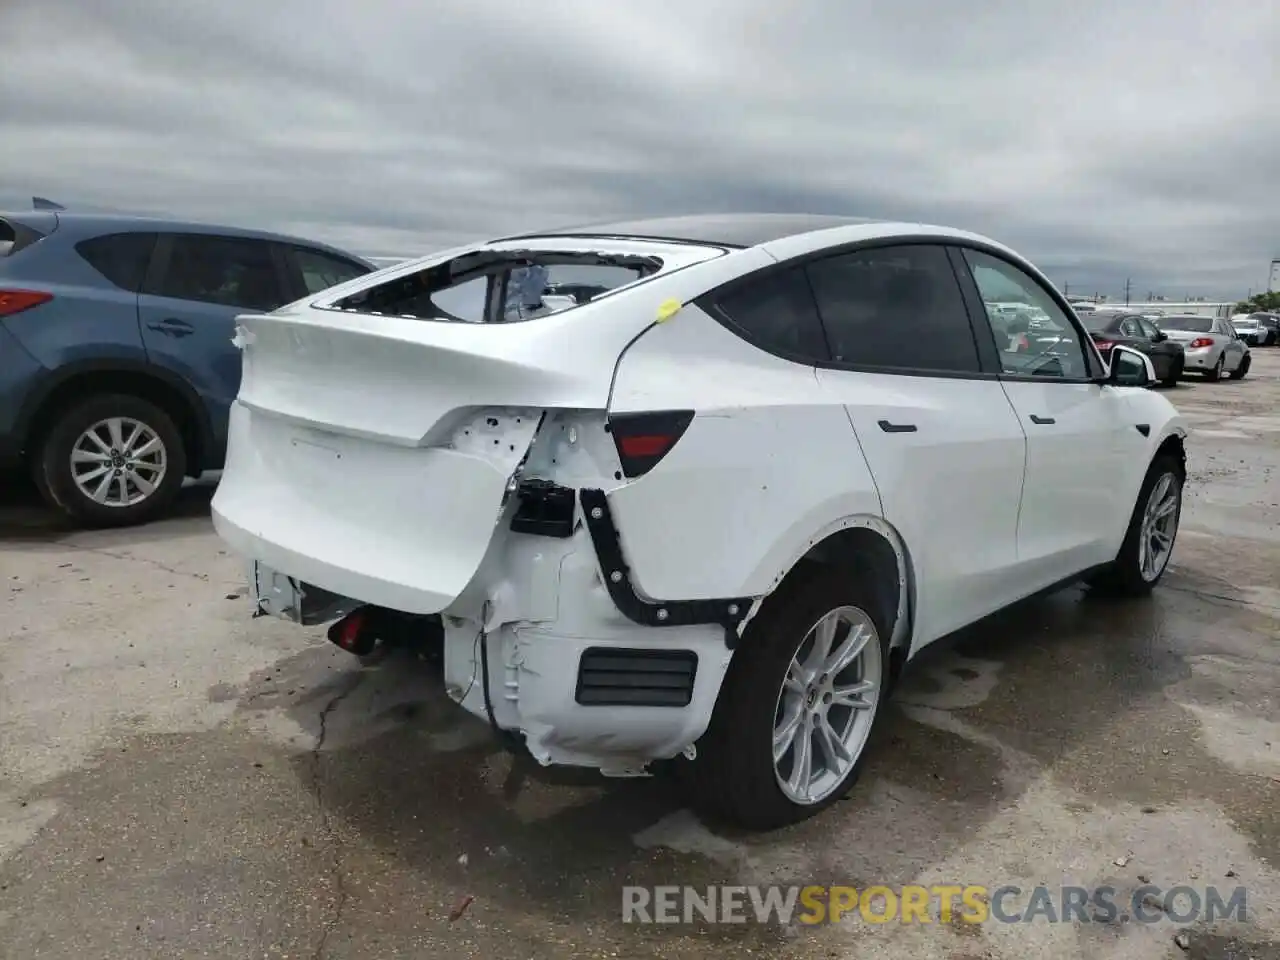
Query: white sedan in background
(1211, 343)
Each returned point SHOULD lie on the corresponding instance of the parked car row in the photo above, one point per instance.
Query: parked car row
(1177, 344)
(117, 366)
(1258, 329)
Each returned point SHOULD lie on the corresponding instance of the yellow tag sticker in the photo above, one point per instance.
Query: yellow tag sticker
(668, 309)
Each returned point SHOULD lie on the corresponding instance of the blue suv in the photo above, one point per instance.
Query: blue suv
(117, 367)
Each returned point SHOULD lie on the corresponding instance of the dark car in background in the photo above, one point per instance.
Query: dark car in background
(1140, 333)
(1268, 329)
(117, 366)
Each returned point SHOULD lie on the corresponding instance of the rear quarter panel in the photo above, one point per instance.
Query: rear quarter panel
(80, 324)
(765, 465)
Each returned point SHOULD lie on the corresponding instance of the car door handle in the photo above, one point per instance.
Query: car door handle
(1042, 420)
(888, 427)
(172, 327)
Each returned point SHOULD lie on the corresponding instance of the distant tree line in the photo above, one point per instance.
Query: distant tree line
(1260, 303)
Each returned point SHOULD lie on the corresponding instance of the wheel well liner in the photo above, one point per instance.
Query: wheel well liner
(1175, 445)
(170, 393)
(867, 552)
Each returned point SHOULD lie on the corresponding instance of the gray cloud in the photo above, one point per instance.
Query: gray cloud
(1104, 143)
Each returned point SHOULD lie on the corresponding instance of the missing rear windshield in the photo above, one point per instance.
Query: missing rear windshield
(502, 286)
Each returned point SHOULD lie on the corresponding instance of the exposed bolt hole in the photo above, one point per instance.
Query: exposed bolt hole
(513, 446)
(492, 421)
(617, 474)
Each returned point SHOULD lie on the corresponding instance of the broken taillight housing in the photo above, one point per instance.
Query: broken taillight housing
(15, 301)
(643, 439)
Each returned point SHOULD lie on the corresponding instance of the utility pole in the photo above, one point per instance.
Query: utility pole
(1127, 282)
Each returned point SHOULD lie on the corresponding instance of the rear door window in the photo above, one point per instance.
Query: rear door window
(775, 311)
(228, 271)
(1130, 327)
(897, 308)
(321, 270)
(122, 258)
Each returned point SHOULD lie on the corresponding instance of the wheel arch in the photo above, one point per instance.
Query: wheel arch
(75, 381)
(863, 543)
(1173, 444)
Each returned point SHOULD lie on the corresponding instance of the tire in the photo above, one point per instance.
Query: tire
(57, 481)
(1125, 575)
(1239, 372)
(732, 778)
(1216, 372)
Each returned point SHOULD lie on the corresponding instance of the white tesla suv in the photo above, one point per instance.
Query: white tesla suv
(690, 489)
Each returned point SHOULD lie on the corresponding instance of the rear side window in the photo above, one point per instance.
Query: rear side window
(320, 270)
(122, 258)
(1130, 327)
(230, 271)
(895, 307)
(15, 236)
(776, 312)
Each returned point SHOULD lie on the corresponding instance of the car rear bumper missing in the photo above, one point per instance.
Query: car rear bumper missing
(596, 690)
(275, 594)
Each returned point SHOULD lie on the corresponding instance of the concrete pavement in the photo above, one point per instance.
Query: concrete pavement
(178, 780)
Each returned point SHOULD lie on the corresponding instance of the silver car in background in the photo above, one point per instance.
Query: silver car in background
(1211, 344)
(1249, 329)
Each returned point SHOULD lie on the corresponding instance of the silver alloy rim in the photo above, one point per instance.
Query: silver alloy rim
(1159, 527)
(826, 705)
(118, 462)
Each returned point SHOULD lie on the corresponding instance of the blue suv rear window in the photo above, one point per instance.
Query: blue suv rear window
(122, 258)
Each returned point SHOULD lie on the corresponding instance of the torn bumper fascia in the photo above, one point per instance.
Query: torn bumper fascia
(545, 602)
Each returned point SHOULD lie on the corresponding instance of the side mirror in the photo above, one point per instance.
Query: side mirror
(1130, 368)
(1160, 336)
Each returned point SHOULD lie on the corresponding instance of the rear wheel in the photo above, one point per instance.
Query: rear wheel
(797, 707)
(1153, 527)
(1216, 372)
(111, 460)
(1239, 372)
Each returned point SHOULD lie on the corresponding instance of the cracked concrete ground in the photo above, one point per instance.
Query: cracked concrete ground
(178, 780)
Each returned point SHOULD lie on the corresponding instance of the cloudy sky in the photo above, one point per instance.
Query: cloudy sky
(1103, 140)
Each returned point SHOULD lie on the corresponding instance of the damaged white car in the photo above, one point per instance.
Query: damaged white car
(690, 489)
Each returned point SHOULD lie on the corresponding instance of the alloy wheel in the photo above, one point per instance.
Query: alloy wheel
(826, 706)
(1159, 527)
(118, 462)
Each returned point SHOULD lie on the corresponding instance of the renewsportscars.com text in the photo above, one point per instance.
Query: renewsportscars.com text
(815, 904)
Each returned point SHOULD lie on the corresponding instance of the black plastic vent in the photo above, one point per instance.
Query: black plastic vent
(545, 510)
(610, 677)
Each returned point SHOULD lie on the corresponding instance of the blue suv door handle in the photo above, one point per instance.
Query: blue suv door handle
(172, 327)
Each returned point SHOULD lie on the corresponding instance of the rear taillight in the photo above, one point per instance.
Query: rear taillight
(15, 301)
(1199, 342)
(1103, 345)
(643, 439)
